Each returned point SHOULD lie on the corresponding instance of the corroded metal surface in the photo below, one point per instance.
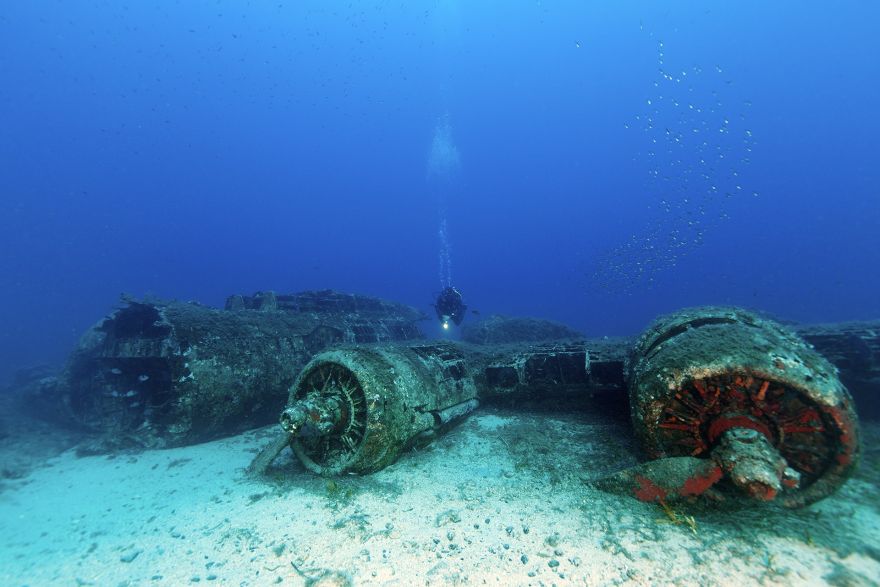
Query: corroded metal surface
(699, 375)
(663, 480)
(164, 373)
(544, 370)
(356, 409)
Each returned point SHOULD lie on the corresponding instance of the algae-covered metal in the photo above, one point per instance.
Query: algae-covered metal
(165, 373)
(573, 369)
(726, 384)
(356, 409)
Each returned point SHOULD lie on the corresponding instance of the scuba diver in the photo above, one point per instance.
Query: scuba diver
(450, 307)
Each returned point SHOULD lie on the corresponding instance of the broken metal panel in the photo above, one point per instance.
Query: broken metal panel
(728, 385)
(664, 480)
(170, 373)
(535, 370)
(607, 364)
(573, 369)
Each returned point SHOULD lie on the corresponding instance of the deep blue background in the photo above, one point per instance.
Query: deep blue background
(197, 149)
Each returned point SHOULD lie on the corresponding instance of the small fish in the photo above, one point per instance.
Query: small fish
(116, 371)
(143, 378)
(131, 393)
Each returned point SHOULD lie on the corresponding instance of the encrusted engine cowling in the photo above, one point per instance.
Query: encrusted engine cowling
(356, 409)
(726, 384)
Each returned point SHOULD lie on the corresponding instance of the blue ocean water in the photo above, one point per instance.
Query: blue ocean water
(592, 163)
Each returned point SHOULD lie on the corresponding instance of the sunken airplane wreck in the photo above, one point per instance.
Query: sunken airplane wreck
(720, 398)
(715, 393)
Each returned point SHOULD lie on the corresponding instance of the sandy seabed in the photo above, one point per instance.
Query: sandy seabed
(502, 499)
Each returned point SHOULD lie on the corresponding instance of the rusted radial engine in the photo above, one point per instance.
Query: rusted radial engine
(356, 409)
(727, 385)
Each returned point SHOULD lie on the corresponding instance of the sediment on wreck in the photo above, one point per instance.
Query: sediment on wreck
(749, 394)
(356, 409)
(160, 373)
